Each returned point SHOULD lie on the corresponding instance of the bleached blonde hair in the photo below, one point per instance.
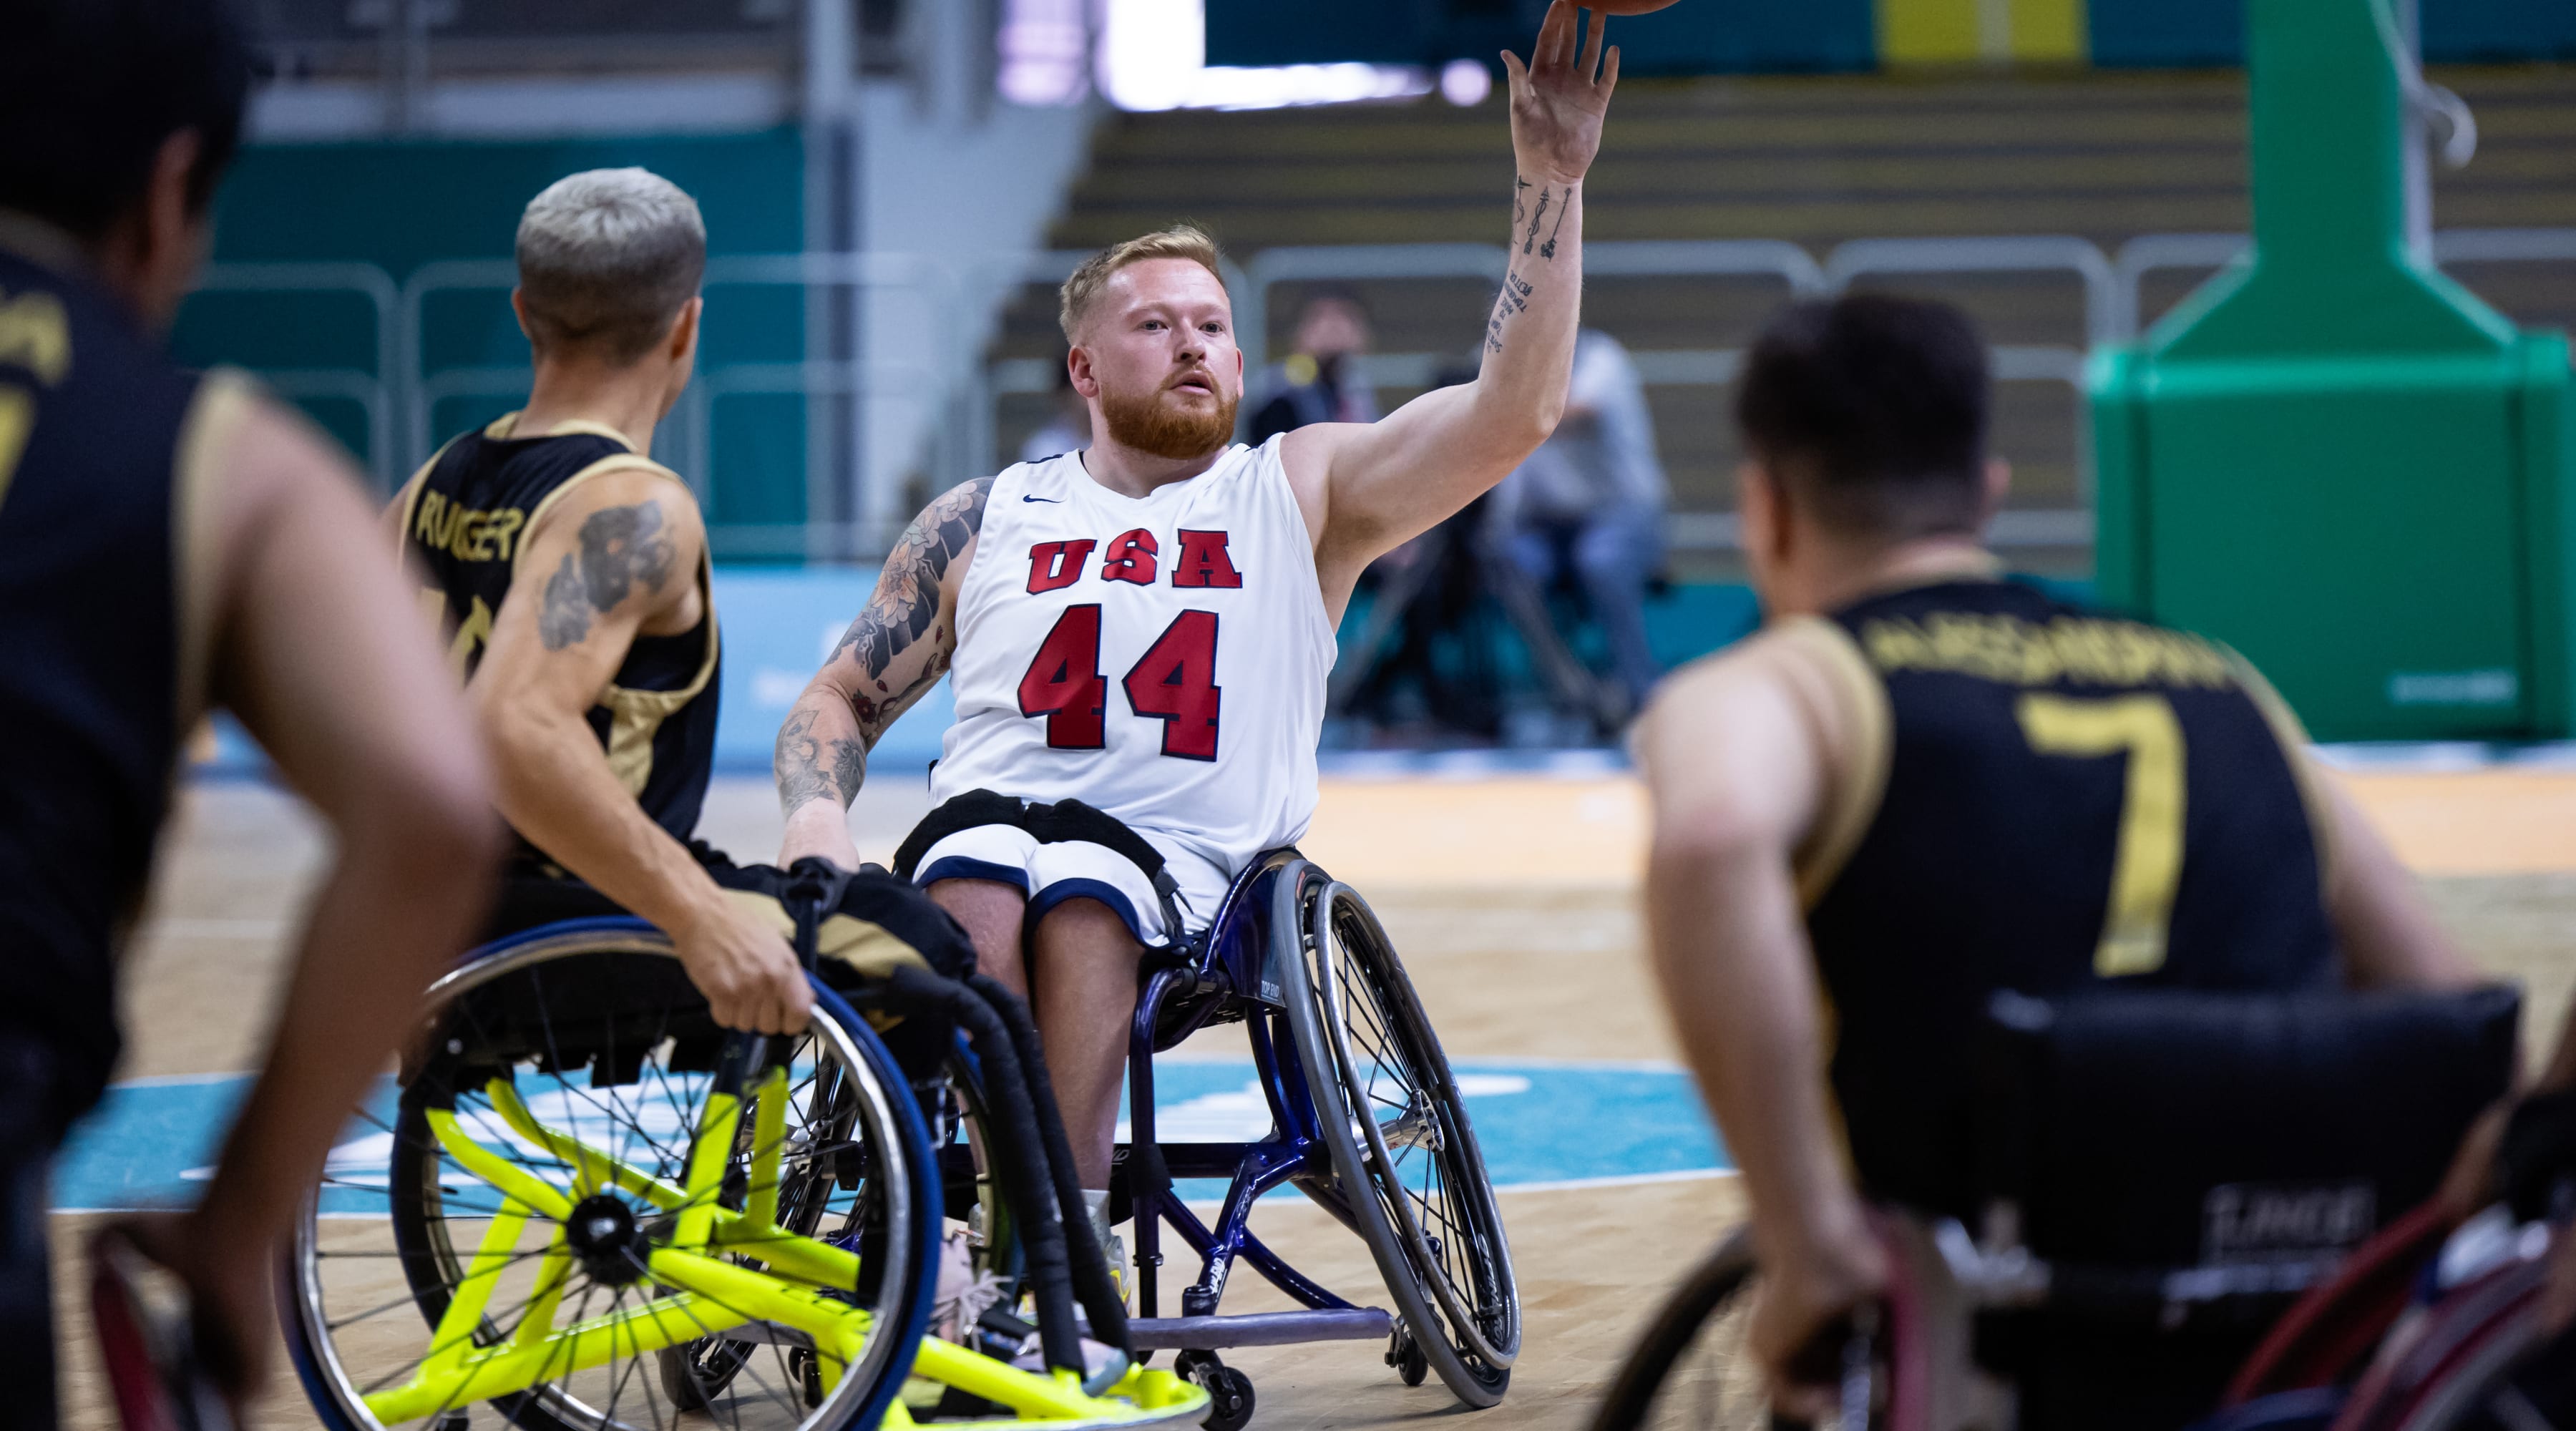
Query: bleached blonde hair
(1083, 288)
(607, 257)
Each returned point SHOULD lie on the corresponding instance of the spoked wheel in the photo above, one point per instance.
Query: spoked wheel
(1693, 1371)
(696, 1375)
(2477, 1360)
(1403, 1150)
(592, 1208)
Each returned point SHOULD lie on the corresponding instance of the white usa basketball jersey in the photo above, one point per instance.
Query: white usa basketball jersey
(1161, 658)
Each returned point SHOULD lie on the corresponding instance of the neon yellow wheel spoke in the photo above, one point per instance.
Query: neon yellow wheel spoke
(514, 1182)
(592, 1169)
(482, 1373)
(768, 1143)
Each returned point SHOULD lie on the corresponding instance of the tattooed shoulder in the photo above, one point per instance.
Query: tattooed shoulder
(905, 605)
(619, 549)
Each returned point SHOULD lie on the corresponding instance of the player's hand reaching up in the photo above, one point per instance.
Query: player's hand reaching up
(748, 973)
(1560, 97)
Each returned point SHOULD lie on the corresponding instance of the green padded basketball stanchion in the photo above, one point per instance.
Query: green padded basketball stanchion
(2332, 456)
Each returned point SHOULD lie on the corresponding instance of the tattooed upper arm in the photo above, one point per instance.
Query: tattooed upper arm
(900, 643)
(620, 549)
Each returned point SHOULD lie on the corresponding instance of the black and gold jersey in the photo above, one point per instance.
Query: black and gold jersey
(105, 493)
(2045, 798)
(465, 520)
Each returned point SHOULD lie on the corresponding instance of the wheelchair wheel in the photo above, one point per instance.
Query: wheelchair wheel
(2477, 1360)
(1692, 1368)
(1403, 1151)
(592, 1208)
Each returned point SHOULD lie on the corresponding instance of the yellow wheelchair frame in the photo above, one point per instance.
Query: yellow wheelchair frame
(699, 1255)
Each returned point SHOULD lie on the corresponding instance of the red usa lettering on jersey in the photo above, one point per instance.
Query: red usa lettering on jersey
(1173, 682)
(1134, 556)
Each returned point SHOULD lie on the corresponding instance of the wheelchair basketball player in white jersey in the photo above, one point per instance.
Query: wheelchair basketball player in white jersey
(1140, 631)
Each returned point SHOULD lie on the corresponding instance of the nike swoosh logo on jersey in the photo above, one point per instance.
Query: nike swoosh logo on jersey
(1041, 499)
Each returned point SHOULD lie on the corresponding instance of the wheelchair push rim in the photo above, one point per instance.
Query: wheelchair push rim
(1416, 1181)
(1692, 1368)
(553, 1244)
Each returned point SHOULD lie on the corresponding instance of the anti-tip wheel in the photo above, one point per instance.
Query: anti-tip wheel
(1229, 1390)
(1405, 1355)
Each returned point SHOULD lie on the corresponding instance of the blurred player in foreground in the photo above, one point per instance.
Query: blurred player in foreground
(169, 543)
(1922, 783)
(1146, 626)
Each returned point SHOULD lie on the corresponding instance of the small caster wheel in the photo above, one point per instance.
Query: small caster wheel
(678, 1370)
(1405, 1355)
(1229, 1391)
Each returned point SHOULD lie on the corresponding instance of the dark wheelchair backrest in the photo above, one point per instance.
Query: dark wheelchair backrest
(2176, 1129)
(2184, 1163)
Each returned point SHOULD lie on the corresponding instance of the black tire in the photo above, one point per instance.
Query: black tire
(1430, 1222)
(1691, 1369)
(1410, 1367)
(851, 1110)
(1230, 1396)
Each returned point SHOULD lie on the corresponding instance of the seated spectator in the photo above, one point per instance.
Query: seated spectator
(1593, 499)
(1320, 380)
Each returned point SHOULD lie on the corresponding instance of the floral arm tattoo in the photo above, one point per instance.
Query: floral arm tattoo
(873, 675)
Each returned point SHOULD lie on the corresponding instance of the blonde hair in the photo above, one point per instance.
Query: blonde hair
(1178, 241)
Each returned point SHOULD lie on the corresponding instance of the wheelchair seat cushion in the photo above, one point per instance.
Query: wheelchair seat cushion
(2170, 1129)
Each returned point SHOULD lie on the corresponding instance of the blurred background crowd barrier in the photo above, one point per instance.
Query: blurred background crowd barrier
(894, 187)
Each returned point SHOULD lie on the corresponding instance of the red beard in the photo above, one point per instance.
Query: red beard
(1153, 426)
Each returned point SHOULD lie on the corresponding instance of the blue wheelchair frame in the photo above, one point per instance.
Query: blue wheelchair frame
(1233, 972)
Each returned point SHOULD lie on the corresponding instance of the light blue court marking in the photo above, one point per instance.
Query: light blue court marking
(1541, 1124)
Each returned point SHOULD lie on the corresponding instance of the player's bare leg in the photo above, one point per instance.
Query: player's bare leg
(1087, 999)
(1086, 982)
(990, 912)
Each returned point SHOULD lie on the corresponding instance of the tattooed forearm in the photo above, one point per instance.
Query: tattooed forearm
(1527, 221)
(849, 767)
(620, 547)
(1513, 300)
(800, 765)
(905, 605)
(798, 762)
(1530, 239)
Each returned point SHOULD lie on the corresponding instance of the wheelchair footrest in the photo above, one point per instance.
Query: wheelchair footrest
(1259, 1329)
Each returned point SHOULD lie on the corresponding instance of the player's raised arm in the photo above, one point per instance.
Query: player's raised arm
(894, 652)
(1373, 486)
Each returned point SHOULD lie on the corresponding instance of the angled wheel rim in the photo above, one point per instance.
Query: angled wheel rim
(1429, 1267)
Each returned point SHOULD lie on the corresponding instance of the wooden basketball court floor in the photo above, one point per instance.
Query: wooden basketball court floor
(1513, 901)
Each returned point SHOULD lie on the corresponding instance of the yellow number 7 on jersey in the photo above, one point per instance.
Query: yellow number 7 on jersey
(17, 422)
(2146, 865)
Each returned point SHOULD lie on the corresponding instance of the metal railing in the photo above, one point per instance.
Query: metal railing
(2150, 253)
(959, 422)
(371, 391)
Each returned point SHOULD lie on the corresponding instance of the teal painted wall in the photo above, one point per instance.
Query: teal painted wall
(400, 205)
(1703, 37)
(2162, 33)
(1734, 36)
